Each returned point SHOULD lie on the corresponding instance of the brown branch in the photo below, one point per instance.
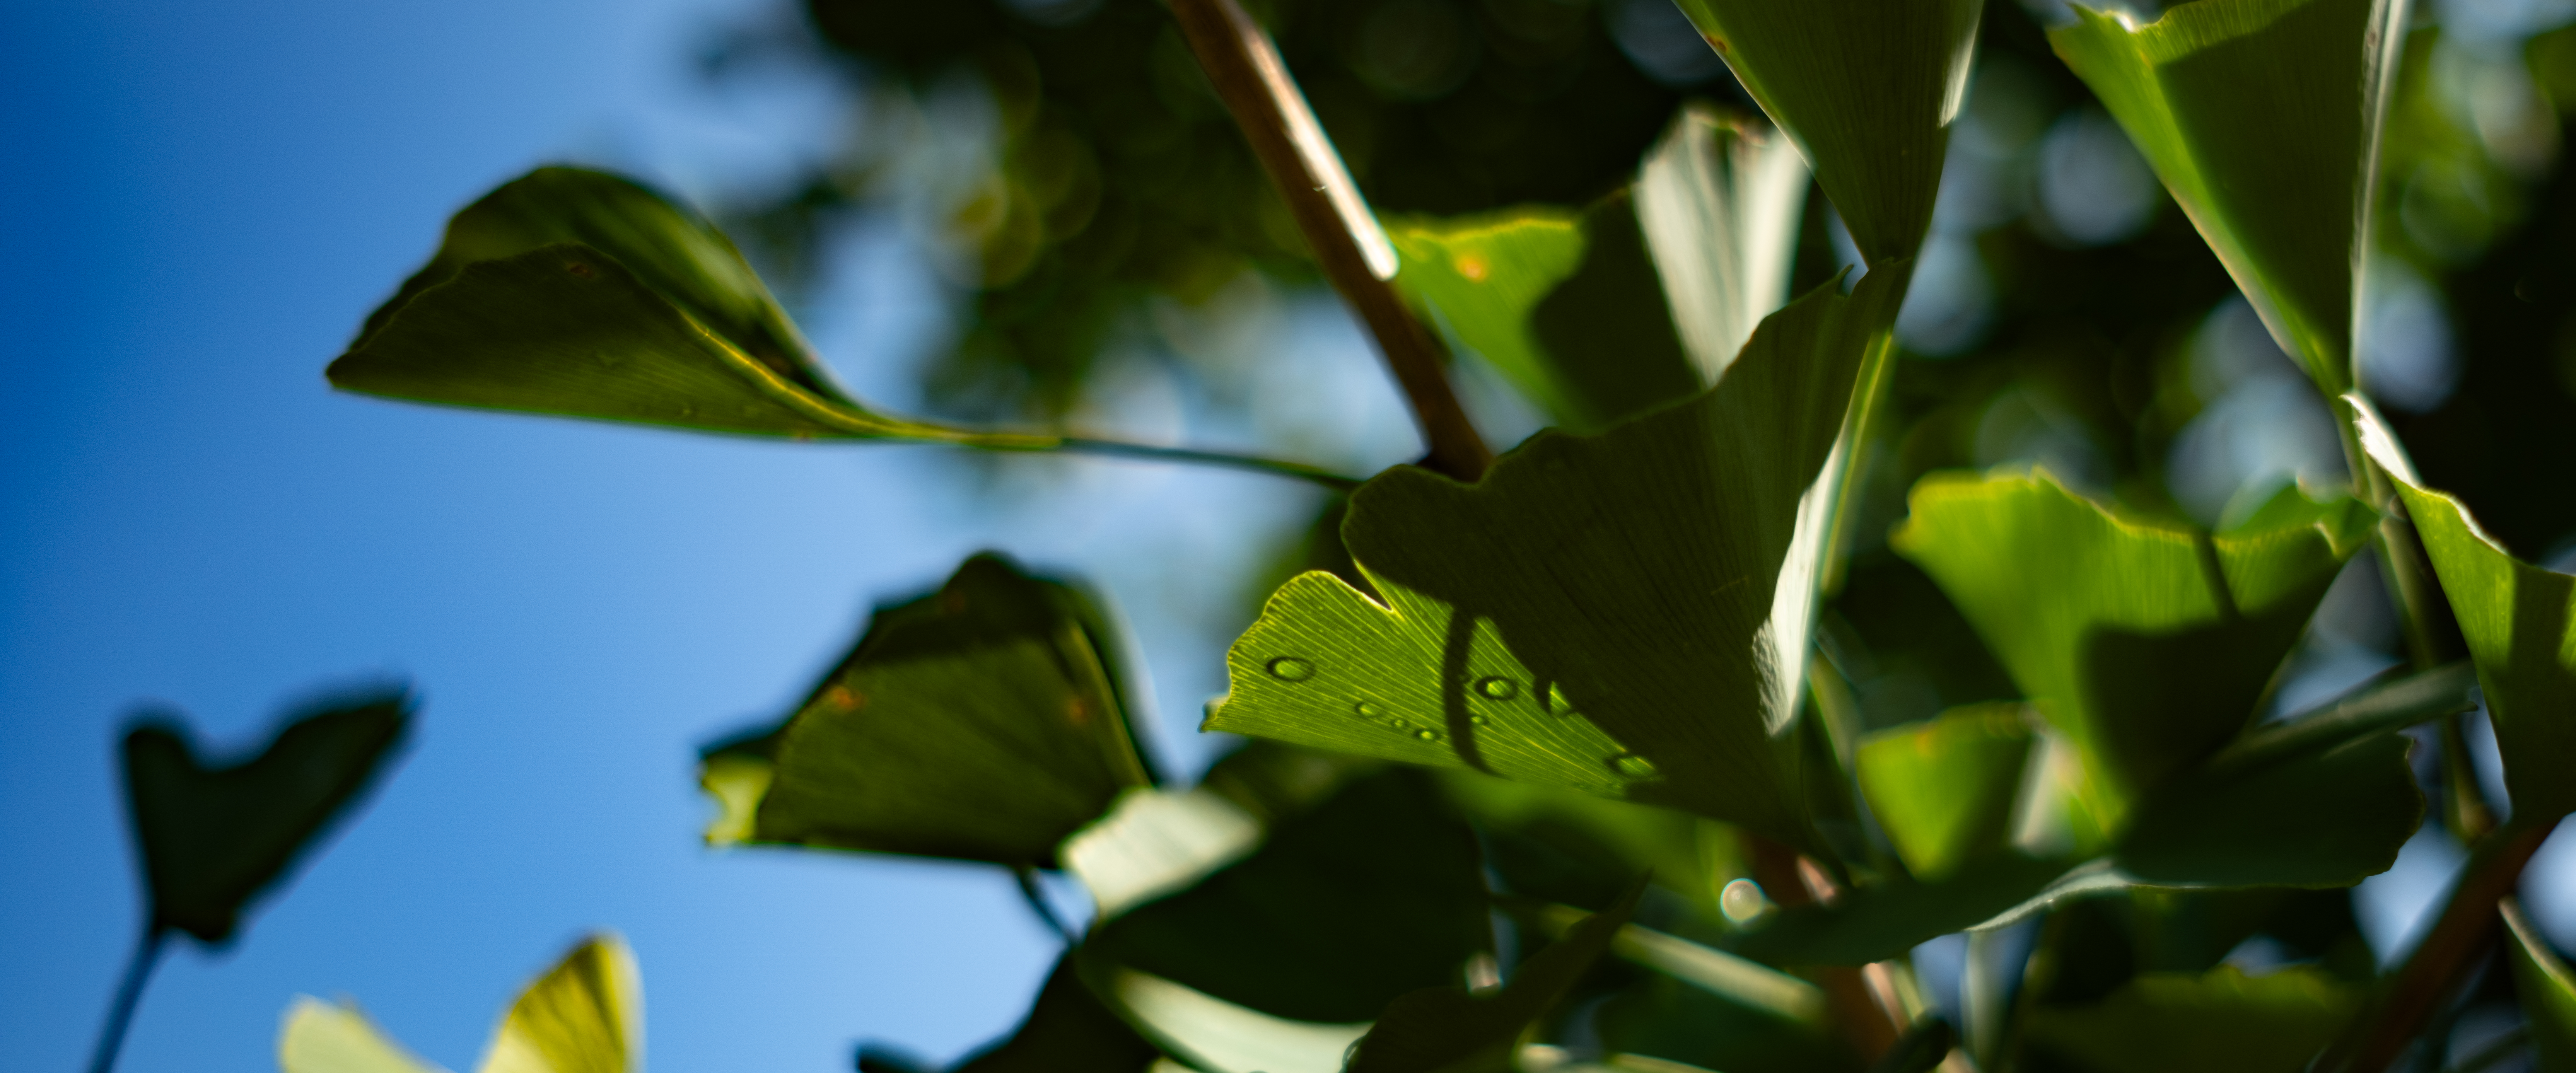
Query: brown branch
(1245, 68)
(2465, 929)
(1862, 1001)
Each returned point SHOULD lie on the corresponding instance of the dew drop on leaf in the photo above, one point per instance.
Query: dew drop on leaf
(1367, 710)
(1427, 735)
(1633, 766)
(1291, 669)
(1476, 719)
(1497, 687)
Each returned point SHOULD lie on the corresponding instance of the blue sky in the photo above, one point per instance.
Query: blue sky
(201, 202)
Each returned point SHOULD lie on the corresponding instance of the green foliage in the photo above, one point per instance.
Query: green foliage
(1516, 638)
(2547, 987)
(2223, 1021)
(1448, 1028)
(1867, 90)
(1067, 1031)
(583, 1016)
(2520, 623)
(984, 722)
(2094, 614)
(212, 839)
(2262, 117)
(1945, 788)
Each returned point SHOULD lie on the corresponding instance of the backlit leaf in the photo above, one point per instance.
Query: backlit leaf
(1718, 200)
(2547, 988)
(1866, 89)
(1624, 613)
(2262, 117)
(583, 294)
(1944, 788)
(2520, 623)
(2147, 647)
(212, 839)
(985, 722)
(329, 1037)
(585, 1015)
(2223, 1021)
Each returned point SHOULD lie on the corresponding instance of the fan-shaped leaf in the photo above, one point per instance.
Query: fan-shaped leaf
(1944, 788)
(585, 1015)
(1625, 613)
(2223, 1020)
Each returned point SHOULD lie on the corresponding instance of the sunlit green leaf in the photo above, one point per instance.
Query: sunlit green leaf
(1067, 1031)
(2547, 988)
(1624, 614)
(1944, 789)
(2223, 1021)
(2520, 623)
(1718, 200)
(585, 1015)
(578, 293)
(984, 722)
(1447, 1028)
(1866, 89)
(212, 839)
(2148, 647)
(329, 1037)
(2262, 117)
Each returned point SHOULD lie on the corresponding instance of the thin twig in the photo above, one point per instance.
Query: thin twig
(120, 1011)
(1248, 75)
(2465, 929)
(1862, 1001)
(1254, 463)
(1028, 879)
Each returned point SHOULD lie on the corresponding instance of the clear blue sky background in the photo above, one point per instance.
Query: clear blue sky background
(199, 203)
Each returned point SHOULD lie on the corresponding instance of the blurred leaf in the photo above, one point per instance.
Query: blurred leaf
(1447, 1028)
(1944, 789)
(1866, 89)
(2547, 988)
(1561, 845)
(214, 839)
(985, 722)
(1656, 578)
(1669, 1023)
(2147, 647)
(1718, 200)
(585, 1015)
(1922, 1050)
(2222, 1021)
(1876, 923)
(1156, 842)
(2520, 623)
(328, 1037)
(1067, 1031)
(1373, 893)
(2262, 117)
(579, 293)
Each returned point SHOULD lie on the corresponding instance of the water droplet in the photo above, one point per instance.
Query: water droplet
(1633, 766)
(1476, 719)
(1557, 700)
(1427, 735)
(1497, 687)
(1367, 710)
(1291, 669)
(1742, 901)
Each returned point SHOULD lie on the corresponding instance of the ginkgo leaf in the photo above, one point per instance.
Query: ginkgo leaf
(2147, 647)
(2546, 986)
(1944, 788)
(985, 722)
(1718, 200)
(585, 1015)
(2263, 118)
(1625, 613)
(2520, 624)
(2222, 1021)
(583, 294)
(1866, 89)
(214, 839)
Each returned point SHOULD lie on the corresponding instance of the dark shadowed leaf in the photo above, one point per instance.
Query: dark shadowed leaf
(1944, 788)
(985, 722)
(1067, 1031)
(2147, 647)
(2223, 1021)
(1866, 89)
(2520, 623)
(2547, 988)
(1625, 614)
(578, 293)
(1447, 1028)
(212, 839)
(2262, 117)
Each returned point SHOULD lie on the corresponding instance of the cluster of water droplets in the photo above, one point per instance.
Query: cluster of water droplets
(1493, 687)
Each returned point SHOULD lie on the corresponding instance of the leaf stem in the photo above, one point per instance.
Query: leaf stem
(1028, 880)
(2465, 929)
(1190, 456)
(129, 992)
(1862, 1001)
(1245, 68)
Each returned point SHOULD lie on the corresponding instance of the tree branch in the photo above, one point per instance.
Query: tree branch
(1246, 70)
